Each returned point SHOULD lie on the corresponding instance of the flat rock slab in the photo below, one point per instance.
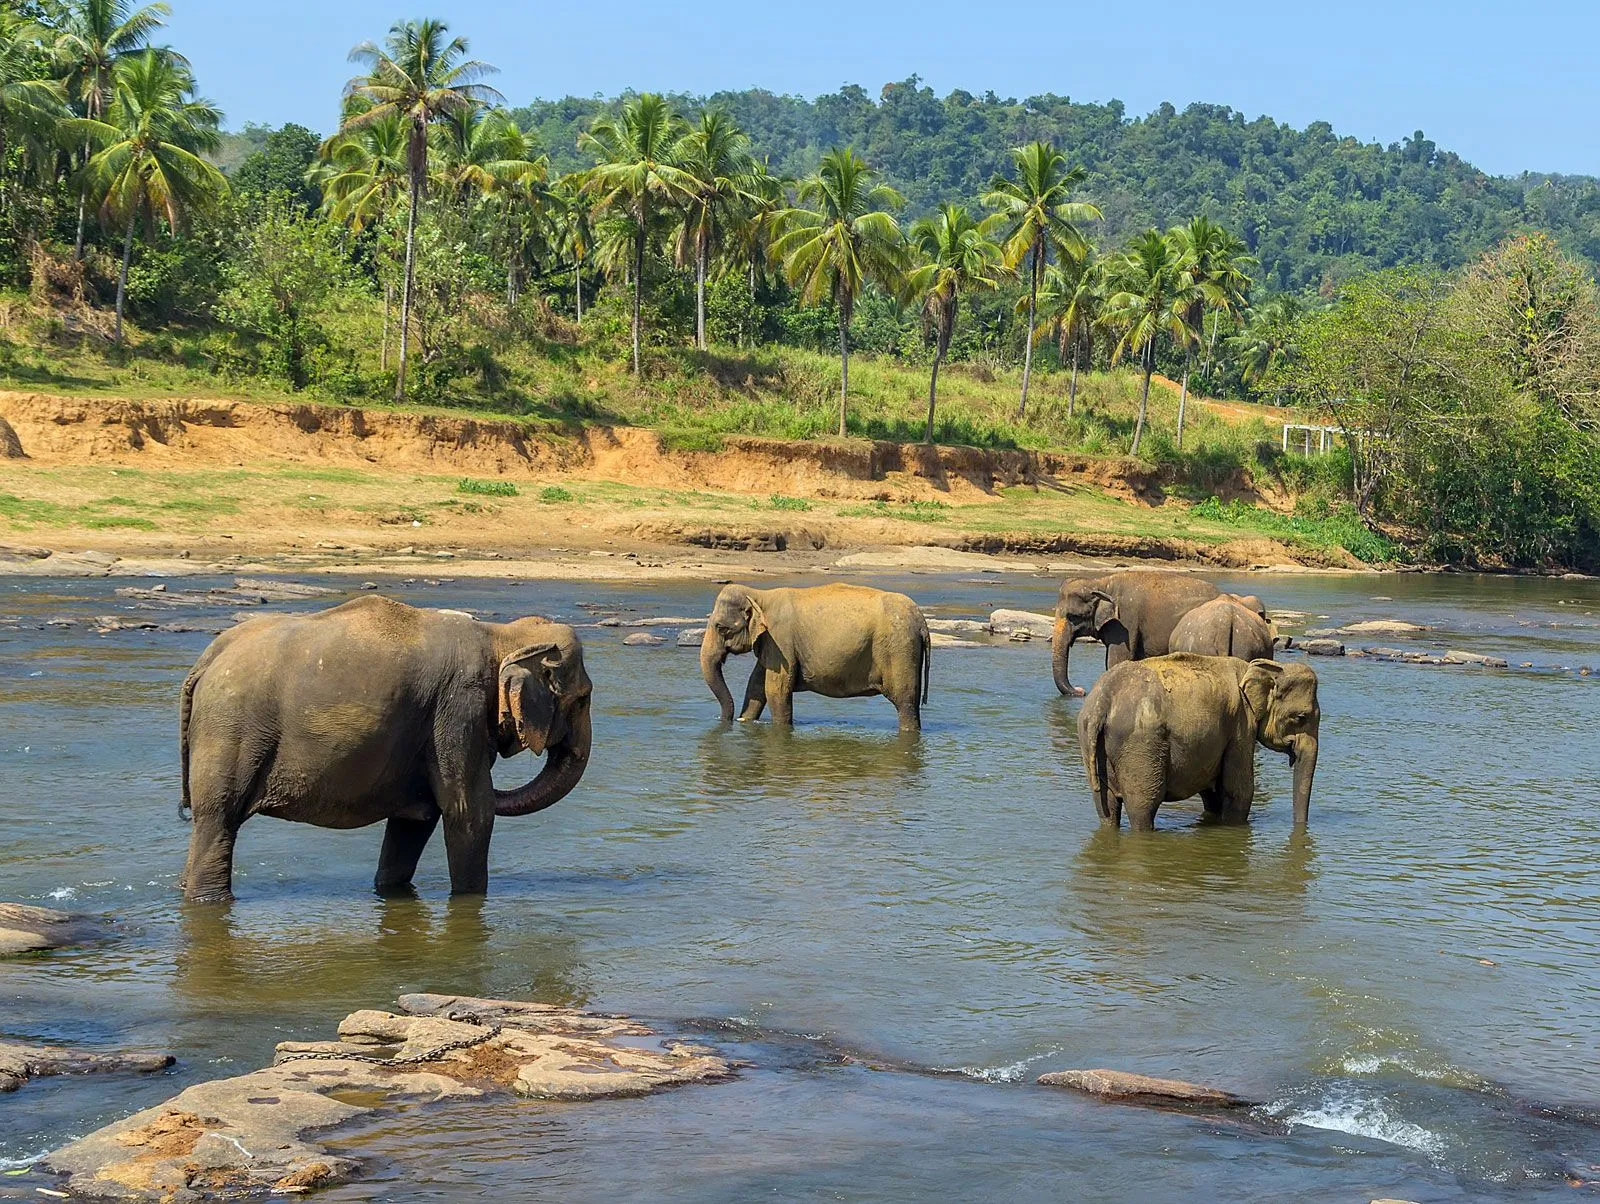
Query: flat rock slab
(960, 626)
(1381, 627)
(1124, 1088)
(643, 639)
(691, 637)
(27, 929)
(933, 559)
(1009, 622)
(19, 1063)
(1319, 647)
(262, 1131)
(939, 639)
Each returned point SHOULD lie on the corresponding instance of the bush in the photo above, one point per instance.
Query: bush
(1339, 526)
(491, 488)
(554, 494)
(779, 502)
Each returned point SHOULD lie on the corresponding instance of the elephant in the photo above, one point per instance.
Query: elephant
(1132, 613)
(371, 711)
(1174, 726)
(841, 641)
(1224, 627)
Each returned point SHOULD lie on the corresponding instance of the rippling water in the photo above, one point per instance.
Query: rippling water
(1412, 988)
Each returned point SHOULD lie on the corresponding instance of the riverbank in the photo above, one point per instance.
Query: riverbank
(188, 482)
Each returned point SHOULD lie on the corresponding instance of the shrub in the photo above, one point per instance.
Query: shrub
(554, 493)
(491, 488)
(779, 502)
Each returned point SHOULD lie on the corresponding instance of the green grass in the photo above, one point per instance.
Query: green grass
(914, 512)
(490, 488)
(779, 502)
(1338, 527)
(554, 494)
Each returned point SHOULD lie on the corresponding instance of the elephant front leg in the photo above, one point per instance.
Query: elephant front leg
(403, 843)
(208, 872)
(780, 693)
(1236, 785)
(755, 694)
(464, 796)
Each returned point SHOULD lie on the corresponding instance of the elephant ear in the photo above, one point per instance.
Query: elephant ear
(1104, 609)
(1259, 681)
(529, 694)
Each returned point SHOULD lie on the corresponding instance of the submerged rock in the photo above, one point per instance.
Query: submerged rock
(262, 1131)
(1009, 622)
(939, 639)
(1319, 647)
(1126, 1088)
(1381, 627)
(959, 626)
(1455, 657)
(642, 639)
(690, 637)
(19, 1063)
(27, 929)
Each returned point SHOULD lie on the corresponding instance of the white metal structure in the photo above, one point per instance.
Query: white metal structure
(1323, 433)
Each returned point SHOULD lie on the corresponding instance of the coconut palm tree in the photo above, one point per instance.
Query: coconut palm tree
(1151, 291)
(484, 153)
(838, 239)
(1071, 303)
(752, 228)
(90, 36)
(1267, 342)
(716, 154)
(960, 258)
(31, 103)
(420, 76)
(638, 173)
(571, 234)
(1217, 265)
(148, 162)
(1040, 219)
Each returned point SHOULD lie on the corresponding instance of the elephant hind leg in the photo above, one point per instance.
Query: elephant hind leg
(403, 843)
(221, 797)
(1138, 782)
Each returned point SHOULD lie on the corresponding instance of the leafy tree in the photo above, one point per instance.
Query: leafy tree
(1152, 293)
(484, 154)
(30, 101)
(716, 156)
(639, 171)
(1040, 219)
(960, 258)
(149, 146)
(281, 166)
(834, 243)
(1265, 349)
(420, 77)
(90, 36)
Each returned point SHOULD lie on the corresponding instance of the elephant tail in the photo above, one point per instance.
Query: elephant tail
(927, 663)
(1092, 740)
(185, 707)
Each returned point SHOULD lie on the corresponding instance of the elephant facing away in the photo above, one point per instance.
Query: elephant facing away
(371, 711)
(1175, 726)
(1131, 612)
(1224, 627)
(841, 641)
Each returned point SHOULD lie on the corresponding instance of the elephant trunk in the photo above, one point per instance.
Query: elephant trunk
(1061, 640)
(713, 652)
(1303, 761)
(564, 764)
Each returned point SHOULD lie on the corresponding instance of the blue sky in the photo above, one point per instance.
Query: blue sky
(1510, 86)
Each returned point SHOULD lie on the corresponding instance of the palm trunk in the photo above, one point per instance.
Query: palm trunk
(577, 286)
(1144, 397)
(1211, 343)
(700, 298)
(1027, 354)
(933, 395)
(383, 352)
(844, 365)
(1072, 387)
(83, 211)
(122, 276)
(405, 293)
(638, 290)
(1183, 394)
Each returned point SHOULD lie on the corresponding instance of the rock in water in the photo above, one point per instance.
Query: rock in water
(939, 639)
(1381, 627)
(1319, 647)
(1007, 622)
(262, 1132)
(1125, 1088)
(19, 1063)
(1455, 657)
(643, 639)
(690, 637)
(959, 626)
(25, 929)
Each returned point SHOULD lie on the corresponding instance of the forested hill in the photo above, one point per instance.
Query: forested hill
(1314, 206)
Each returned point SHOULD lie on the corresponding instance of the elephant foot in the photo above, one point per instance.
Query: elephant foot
(206, 897)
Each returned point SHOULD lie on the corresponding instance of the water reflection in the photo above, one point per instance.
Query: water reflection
(751, 758)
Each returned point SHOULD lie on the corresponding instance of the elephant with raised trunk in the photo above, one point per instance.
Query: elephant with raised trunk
(1132, 613)
(841, 641)
(1175, 726)
(1225, 626)
(371, 711)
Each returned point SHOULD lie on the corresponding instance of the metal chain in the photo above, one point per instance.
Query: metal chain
(431, 1055)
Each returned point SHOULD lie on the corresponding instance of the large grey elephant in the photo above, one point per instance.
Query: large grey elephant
(1172, 727)
(1131, 612)
(1224, 627)
(371, 711)
(841, 641)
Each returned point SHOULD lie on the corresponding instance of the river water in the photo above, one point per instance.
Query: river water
(1412, 989)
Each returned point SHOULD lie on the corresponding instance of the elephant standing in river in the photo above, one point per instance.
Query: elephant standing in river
(371, 711)
(1132, 613)
(1171, 727)
(1224, 627)
(841, 641)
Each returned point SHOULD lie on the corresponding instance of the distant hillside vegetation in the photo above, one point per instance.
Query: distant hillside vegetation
(1316, 208)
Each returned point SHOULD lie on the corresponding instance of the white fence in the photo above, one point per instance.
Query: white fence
(1323, 441)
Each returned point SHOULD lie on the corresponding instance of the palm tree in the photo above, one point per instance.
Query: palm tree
(571, 232)
(1151, 289)
(1216, 264)
(1040, 218)
(91, 35)
(639, 171)
(836, 246)
(1073, 299)
(485, 153)
(419, 76)
(716, 154)
(150, 143)
(960, 257)
(763, 198)
(31, 104)
(1267, 342)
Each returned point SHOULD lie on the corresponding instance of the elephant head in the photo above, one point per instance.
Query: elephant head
(1283, 704)
(1085, 608)
(544, 708)
(1251, 603)
(736, 623)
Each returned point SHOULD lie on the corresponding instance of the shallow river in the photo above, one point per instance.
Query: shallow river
(1413, 988)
